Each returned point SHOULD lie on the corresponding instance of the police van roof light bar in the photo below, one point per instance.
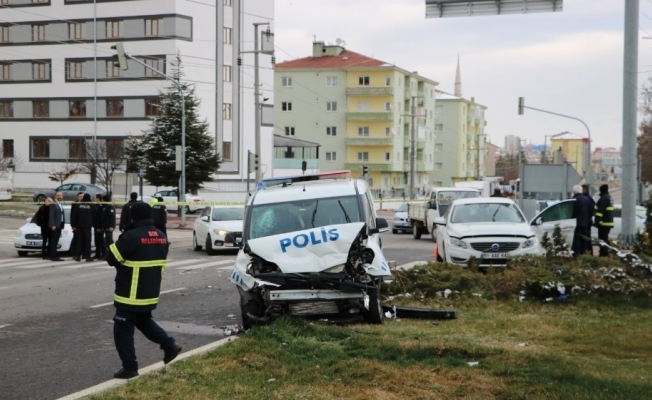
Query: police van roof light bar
(288, 180)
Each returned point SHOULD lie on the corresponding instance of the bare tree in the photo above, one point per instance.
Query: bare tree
(103, 158)
(62, 174)
(6, 163)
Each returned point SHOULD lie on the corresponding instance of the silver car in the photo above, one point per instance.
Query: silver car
(401, 221)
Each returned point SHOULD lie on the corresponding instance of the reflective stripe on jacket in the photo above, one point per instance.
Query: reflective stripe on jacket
(604, 211)
(139, 256)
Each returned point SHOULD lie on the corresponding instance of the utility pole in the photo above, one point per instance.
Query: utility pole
(413, 155)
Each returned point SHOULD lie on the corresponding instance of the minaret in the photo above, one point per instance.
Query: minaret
(458, 79)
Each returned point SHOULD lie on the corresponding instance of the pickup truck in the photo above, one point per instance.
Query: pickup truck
(423, 214)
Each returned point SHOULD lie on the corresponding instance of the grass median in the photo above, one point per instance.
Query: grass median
(594, 343)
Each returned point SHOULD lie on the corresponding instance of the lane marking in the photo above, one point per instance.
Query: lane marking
(111, 303)
(4, 326)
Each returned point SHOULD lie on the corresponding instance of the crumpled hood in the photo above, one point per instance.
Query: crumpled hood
(490, 229)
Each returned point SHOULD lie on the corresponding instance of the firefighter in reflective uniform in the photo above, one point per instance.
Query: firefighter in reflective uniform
(139, 257)
(604, 217)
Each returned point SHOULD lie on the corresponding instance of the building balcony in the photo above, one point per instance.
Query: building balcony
(295, 163)
(419, 166)
(370, 91)
(373, 167)
(368, 141)
(369, 116)
(420, 143)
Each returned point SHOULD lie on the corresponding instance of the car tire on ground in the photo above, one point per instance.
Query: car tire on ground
(439, 257)
(394, 231)
(433, 233)
(249, 305)
(209, 247)
(416, 231)
(40, 198)
(187, 210)
(374, 314)
(22, 254)
(195, 245)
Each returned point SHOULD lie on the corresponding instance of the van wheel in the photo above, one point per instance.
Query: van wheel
(416, 231)
(249, 305)
(375, 315)
(209, 246)
(195, 245)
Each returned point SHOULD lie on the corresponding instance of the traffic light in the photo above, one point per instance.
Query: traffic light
(122, 58)
(365, 170)
(521, 105)
(253, 162)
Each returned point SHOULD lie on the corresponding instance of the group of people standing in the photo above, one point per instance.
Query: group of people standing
(86, 218)
(588, 213)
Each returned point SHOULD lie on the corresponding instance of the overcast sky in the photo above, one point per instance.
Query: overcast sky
(568, 62)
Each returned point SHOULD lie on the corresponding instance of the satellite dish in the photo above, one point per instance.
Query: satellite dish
(338, 41)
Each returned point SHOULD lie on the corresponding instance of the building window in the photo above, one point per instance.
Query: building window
(115, 148)
(152, 107)
(331, 156)
(227, 35)
(363, 81)
(363, 131)
(286, 81)
(115, 108)
(77, 148)
(363, 156)
(363, 106)
(228, 3)
(388, 106)
(39, 1)
(331, 81)
(226, 73)
(152, 27)
(112, 70)
(75, 30)
(39, 71)
(289, 131)
(439, 166)
(286, 106)
(226, 111)
(7, 148)
(38, 33)
(226, 151)
(388, 131)
(40, 148)
(388, 81)
(4, 34)
(331, 131)
(77, 108)
(155, 63)
(41, 108)
(387, 156)
(331, 106)
(114, 29)
(76, 69)
(439, 127)
(6, 109)
(5, 72)
(439, 147)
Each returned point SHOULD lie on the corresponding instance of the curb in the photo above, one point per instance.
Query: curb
(114, 383)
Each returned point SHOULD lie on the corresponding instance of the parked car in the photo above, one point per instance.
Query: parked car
(640, 211)
(69, 191)
(28, 237)
(172, 196)
(491, 229)
(561, 214)
(401, 221)
(218, 227)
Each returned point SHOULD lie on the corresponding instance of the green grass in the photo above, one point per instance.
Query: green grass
(593, 346)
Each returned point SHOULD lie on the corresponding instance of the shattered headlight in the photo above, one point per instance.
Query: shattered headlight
(458, 243)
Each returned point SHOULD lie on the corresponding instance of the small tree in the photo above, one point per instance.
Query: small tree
(6, 163)
(103, 158)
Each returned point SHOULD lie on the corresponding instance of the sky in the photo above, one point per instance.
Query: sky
(568, 62)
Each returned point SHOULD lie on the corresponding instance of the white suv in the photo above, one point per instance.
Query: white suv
(311, 247)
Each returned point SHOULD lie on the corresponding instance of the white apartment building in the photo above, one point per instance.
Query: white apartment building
(59, 85)
(512, 144)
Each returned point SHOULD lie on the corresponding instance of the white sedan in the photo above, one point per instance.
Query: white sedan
(218, 227)
(561, 214)
(172, 196)
(28, 237)
(491, 229)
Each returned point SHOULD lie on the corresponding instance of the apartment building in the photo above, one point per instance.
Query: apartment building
(59, 86)
(574, 150)
(363, 112)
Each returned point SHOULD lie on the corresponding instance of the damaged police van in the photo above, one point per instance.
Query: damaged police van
(311, 247)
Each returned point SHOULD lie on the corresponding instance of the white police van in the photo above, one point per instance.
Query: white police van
(311, 247)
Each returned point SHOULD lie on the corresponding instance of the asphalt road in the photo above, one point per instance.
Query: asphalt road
(55, 318)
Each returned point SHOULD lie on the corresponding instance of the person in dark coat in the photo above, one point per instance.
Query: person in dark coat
(41, 219)
(604, 217)
(139, 257)
(582, 215)
(586, 192)
(97, 228)
(497, 193)
(83, 223)
(74, 245)
(108, 222)
(56, 222)
(159, 214)
(125, 218)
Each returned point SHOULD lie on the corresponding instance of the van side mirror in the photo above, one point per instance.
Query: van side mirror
(381, 226)
(431, 205)
(538, 221)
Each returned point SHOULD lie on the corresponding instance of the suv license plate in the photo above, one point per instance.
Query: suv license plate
(493, 255)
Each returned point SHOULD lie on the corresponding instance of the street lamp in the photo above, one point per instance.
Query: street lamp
(122, 62)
